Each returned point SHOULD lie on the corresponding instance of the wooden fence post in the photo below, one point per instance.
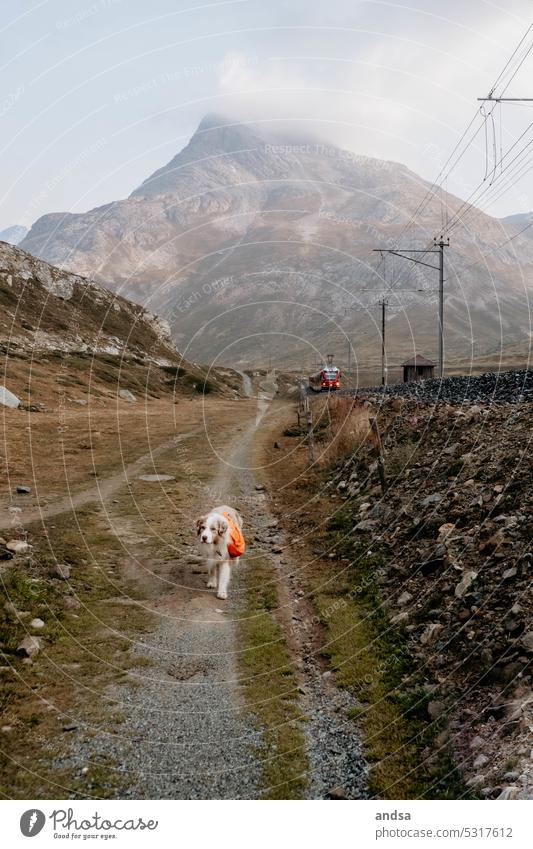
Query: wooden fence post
(304, 400)
(379, 451)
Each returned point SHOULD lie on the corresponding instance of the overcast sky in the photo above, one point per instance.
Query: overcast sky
(97, 95)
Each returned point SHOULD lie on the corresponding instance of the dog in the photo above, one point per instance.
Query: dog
(221, 541)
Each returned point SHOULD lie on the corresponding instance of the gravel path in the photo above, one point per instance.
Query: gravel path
(333, 747)
(184, 736)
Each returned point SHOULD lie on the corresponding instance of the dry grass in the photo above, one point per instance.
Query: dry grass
(270, 687)
(349, 428)
(368, 656)
(125, 548)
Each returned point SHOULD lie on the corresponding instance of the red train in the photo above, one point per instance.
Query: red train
(328, 378)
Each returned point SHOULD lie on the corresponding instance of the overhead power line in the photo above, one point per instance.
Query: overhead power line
(479, 123)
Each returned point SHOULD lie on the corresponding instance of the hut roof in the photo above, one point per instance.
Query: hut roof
(419, 360)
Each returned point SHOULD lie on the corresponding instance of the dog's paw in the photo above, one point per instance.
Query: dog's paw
(222, 595)
(211, 584)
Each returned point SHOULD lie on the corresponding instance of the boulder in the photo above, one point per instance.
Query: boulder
(476, 780)
(30, 646)
(431, 633)
(336, 793)
(18, 546)
(465, 583)
(126, 395)
(436, 709)
(61, 571)
(404, 598)
(445, 531)
(509, 793)
(7, 399)
(156, 478)
(365, 525)
(527, 640)
(434, 498)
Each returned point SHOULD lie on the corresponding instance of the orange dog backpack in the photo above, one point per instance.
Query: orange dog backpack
(236, 544)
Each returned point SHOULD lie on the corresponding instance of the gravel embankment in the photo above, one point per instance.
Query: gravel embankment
(493, 387)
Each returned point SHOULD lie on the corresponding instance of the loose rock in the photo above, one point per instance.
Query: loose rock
(18, 546)
(126, 395)
(465, 583)
(8, 399)
(30, 646)
(61, 571)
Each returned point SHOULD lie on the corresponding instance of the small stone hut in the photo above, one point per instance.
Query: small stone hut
(418, 368)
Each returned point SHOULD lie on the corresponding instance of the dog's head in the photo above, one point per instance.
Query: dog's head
(211, 529)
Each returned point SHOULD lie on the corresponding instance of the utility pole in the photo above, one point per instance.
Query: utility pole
(384, 304)
(440, 244)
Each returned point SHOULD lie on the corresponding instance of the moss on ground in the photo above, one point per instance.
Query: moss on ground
(370, 658)
(269, 686)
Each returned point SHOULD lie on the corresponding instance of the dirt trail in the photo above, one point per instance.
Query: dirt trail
(102, 489)
(332, 747)
(185, 731)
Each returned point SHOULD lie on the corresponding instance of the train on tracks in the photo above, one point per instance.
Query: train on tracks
(328, 379)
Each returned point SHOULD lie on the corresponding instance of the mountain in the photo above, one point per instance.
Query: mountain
(522, 222)
(255, 246)
(13, 235)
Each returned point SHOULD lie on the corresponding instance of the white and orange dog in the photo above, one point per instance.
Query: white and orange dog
(221, 542)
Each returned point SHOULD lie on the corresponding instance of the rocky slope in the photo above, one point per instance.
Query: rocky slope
(455, 528)
(47, 308)
(58, 329)
(242, 236)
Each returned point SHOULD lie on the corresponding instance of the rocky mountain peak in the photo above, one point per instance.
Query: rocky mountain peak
(216, 136)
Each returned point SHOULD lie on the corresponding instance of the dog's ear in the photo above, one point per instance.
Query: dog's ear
(222, 527)
(199, 522)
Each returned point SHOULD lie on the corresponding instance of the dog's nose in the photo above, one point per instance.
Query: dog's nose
(204, 538)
